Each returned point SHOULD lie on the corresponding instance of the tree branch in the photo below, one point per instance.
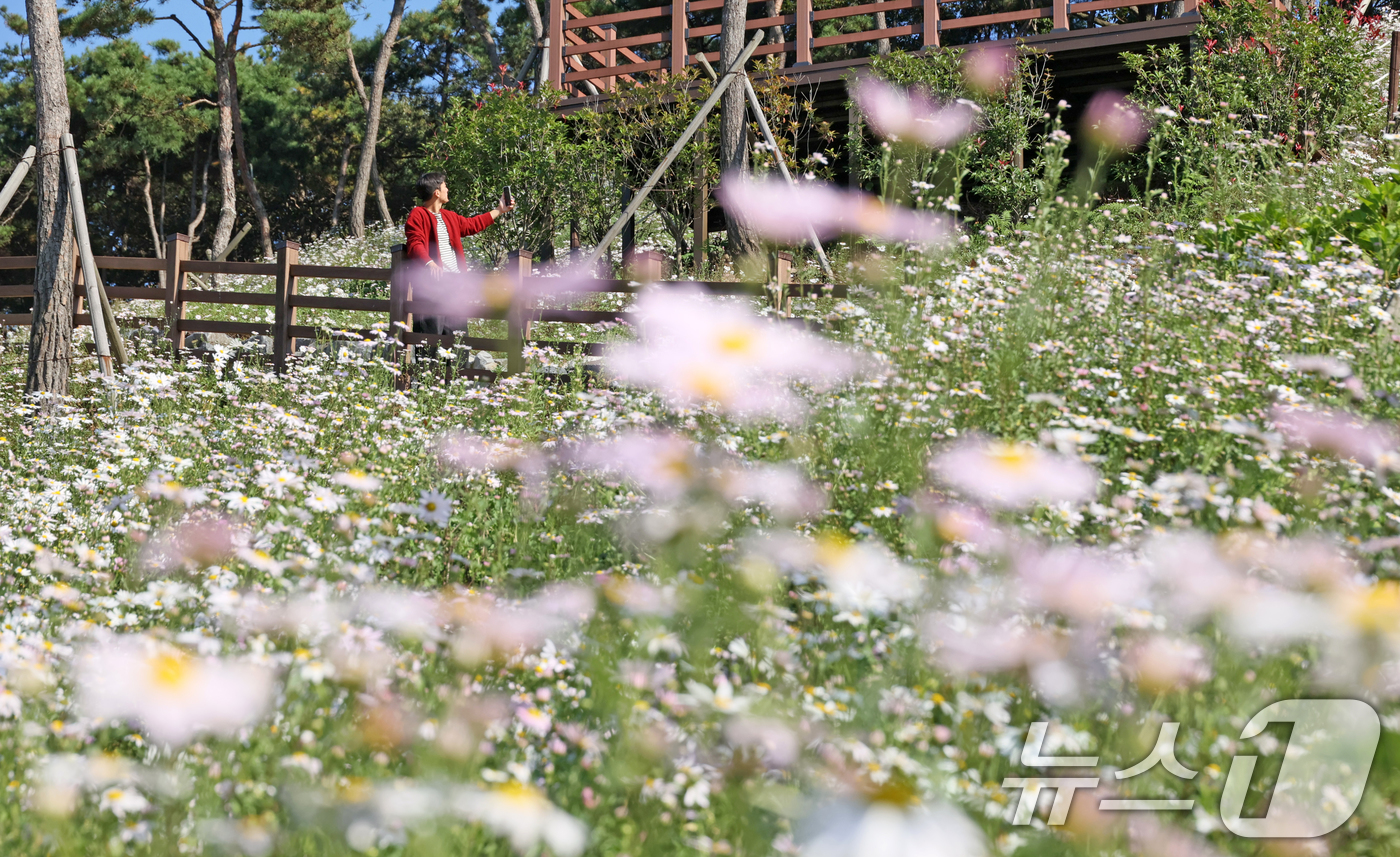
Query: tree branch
(198, 43)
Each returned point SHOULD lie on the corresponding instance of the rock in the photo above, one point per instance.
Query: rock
(258, 343)
(207, 341)
(484, 361)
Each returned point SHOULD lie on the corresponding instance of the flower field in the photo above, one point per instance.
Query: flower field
(755, 589)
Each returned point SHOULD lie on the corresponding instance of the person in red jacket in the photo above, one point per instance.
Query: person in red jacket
(430, 228)
(430, 224)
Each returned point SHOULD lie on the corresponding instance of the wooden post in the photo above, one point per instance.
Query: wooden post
(629, 228)
(647, 266)
(931, 19)
(91, 283)
(780, 277)
(702, 206)
(678, 33)
(400, 319)
(554, 46)
(1060, 15)
(609, 84)
(284, 315)
(177, 251)
(1394, 78)
(518, 268)
(804, 33)
(21, 170)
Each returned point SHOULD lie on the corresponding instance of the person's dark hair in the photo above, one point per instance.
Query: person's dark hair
(429, 182)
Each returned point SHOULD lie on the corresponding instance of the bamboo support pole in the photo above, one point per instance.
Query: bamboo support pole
(16, 177)
(689, 132)
(93, 285)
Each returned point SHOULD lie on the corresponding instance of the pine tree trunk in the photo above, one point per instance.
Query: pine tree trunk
(376, 104)
(249, 185)
(733, 130)
(228, 207)
(340, 183)
(882, 46)
(51, 336)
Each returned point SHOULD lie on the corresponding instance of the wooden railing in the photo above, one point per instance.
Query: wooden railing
(399, 308)
(585, 50)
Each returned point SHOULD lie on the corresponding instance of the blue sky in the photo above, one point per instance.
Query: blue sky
(370, 17)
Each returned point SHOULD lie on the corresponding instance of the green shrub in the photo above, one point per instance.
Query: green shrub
(994, 169)
(1265, 87)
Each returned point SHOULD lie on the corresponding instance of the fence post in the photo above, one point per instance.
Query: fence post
(400, 319)
(609, 84)
(780, 277)
(518, 268)
(177, 251)
(284, 315)
(647, 266)
(554, 45)
(702, 207)
(678, 33)
(804, 33)
(1060, 15)
(930, 36)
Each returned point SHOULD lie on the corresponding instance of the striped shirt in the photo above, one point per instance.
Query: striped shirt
(445, 251)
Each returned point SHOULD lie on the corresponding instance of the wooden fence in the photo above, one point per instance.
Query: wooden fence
(581, 48)
(399, 308)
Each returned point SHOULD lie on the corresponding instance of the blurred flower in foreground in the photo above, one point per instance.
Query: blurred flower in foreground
(1342, 434)
(487, 626)
(989, 70)
(893, 825)
(173, 695)
(695, 349)
(787, 213)
(194, 544)
(1014, 475)
(861, 578)
(522, 814)
(1114, 123)
(911, 116)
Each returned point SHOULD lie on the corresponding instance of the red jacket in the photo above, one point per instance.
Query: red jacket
(420, 230)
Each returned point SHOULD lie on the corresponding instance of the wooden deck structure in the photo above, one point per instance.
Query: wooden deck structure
(398, 309)
(586, 55)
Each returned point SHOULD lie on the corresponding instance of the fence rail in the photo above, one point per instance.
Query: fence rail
(585, 49)
(399, 308)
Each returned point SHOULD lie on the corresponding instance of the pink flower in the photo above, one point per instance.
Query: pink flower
(1077, 582)
(488, 627)
(966, 645)
(1162, 664)
(787, 213)
(695, 349)
(472, 294)
(1195, 578)
(193, 544)
(989, 70)
(909, 115)
(1114, 123)
(1015, 475)
(665, 465)
(1342, 434)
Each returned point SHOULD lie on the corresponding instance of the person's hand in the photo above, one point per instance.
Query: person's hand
(434, 270)
(502, 207)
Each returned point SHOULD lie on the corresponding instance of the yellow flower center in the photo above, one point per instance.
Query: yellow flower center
(170, 670)
(1013, 457)
(1379, 608)
(737, 341)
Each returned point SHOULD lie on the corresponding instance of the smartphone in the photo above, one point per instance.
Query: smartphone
(508, 198)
